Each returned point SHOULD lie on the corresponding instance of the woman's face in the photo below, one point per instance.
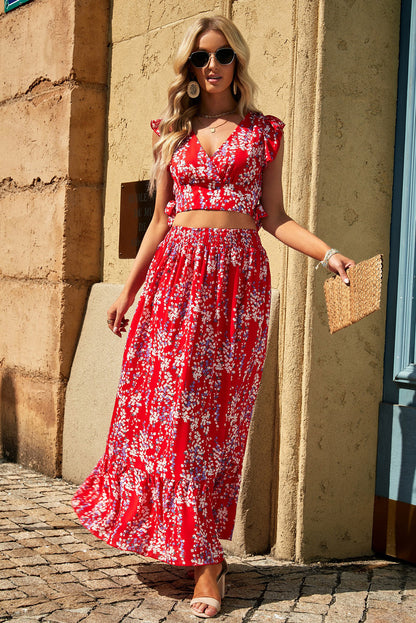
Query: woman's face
(214, 77)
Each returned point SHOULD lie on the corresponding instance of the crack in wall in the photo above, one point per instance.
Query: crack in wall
(9, 185)
(33, 375)
(42, 85)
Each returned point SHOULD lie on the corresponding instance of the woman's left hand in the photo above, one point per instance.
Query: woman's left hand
(338, 263)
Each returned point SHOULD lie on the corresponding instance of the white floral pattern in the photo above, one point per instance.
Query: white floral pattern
(168, 482)
(231, 178)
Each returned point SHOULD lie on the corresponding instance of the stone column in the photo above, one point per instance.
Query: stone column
(53, 107)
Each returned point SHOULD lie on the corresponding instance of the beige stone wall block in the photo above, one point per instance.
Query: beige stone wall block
(86, 145)
(270, 38)
(28, 420)
(345, 390)
(73, 301)
(354, 211)
(36, 39)
(42, 135)
(90, 55)
(129, 133)
(130, 19)
(82, 238)
(164, 12)
(269, 35)
(30, 311)
(358, 111)
(31, 231)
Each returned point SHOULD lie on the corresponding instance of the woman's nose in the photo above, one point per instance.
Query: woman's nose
(212, 60)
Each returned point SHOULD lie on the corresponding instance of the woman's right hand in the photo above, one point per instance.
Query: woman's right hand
(116, 321)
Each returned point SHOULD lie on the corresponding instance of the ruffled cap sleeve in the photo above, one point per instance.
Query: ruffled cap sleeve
(154, 124)
(272, 134)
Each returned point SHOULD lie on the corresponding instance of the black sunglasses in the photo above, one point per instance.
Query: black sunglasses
(201, 58)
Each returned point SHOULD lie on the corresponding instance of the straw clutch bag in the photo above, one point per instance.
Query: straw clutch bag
(348, 304)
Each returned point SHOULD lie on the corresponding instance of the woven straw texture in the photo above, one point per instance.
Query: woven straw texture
(348, 304)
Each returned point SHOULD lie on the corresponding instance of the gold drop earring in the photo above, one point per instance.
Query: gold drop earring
(193, 89)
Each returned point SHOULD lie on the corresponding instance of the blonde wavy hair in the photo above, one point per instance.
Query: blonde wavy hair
(176, 122)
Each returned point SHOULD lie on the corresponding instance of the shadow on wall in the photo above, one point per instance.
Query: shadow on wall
(8, 419)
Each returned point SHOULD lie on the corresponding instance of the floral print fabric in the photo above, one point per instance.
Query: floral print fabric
(168, 482)
(231, 178)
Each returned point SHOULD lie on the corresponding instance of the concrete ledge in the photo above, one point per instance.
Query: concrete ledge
(91, 387)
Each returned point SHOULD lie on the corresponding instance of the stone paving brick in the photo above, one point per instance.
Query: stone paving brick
(310, 607)
(124, 571)
(87, 554)
(301, 617)
(395, 615)
(24, 580)
(269, 617)
(68, 616)
(9, 545)
(11, 594)
(80, 576)
(39, 570)
(49, 549)
(277, 604)
(52, 570)
(154, 610)
(21, 561)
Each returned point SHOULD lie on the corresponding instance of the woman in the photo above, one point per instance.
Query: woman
(167, 485)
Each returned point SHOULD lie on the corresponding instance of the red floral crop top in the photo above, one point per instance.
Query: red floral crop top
(231, 179)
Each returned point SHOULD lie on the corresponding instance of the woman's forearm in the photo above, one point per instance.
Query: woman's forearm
(297, 237)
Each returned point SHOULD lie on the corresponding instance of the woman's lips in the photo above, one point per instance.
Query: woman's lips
(213, 79)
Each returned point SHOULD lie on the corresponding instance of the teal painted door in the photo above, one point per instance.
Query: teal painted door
(395, 502)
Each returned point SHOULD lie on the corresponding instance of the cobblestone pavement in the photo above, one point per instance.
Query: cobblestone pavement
(53, 570)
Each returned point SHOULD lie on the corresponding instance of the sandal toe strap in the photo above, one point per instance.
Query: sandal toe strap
(209, 601)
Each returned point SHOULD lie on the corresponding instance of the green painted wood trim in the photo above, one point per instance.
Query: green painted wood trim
(404, 352)
(400, 360)
(9, 5)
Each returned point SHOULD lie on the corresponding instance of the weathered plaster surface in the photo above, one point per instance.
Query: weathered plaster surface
(358, 108)
(53, 108)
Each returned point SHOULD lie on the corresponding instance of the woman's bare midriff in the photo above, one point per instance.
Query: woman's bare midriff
(214, 218)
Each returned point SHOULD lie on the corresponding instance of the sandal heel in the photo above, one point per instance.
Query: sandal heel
(221, 585)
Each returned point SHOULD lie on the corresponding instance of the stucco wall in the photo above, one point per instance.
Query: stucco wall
(353, 212)
(52, 98)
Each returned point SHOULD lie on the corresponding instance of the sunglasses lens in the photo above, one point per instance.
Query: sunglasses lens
(199, 59)
(225, 56)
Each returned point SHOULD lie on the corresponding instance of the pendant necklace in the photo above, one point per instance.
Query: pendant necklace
(221, 114)
(213, 130)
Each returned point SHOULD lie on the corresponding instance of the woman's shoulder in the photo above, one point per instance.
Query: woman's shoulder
(266, 122)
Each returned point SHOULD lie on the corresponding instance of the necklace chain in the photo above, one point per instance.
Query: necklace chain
(221, 114)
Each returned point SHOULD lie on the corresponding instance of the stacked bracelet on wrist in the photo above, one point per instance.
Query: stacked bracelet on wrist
(325, 261)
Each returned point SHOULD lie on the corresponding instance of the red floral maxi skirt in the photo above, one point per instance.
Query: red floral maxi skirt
(168, 482)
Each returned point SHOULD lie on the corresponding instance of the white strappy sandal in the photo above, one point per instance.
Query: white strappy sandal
(210, 601)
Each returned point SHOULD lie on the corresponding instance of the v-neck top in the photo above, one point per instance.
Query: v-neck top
(230, 179)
